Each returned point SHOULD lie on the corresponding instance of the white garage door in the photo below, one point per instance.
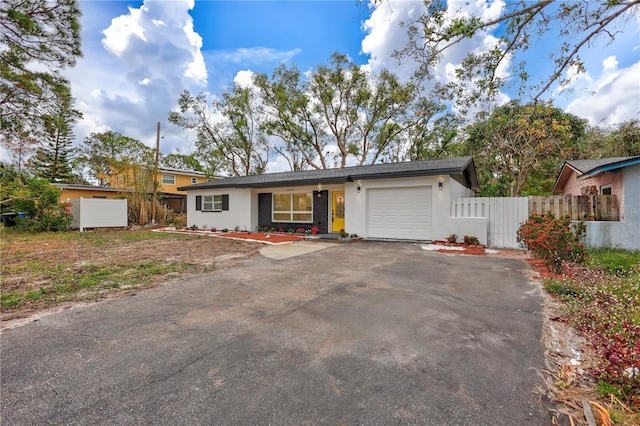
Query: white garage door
(399, 213)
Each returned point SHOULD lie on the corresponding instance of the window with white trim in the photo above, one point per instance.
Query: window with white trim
(194, 180)
(605, 189)
(297, 207)
(211, 203)
(168, 179)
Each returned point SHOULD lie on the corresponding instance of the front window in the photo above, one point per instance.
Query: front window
(212, 203)
(168, 179)
(293, 207)
(605, 189)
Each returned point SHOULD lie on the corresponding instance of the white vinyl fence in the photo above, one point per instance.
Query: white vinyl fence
(98, 213)
(505, 215)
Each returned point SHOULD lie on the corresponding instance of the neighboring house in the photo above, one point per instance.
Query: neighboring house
(409, 200)
(619, 176)
(73, 191)
(168, 182)
(171, 180)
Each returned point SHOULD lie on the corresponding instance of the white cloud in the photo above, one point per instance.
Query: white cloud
(387, 35)
(244, 78)
(133, 76)
(278, 164)
(123, 28)
(612, 98)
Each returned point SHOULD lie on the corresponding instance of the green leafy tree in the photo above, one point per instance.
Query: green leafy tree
(181, 162)
(20, 145)
(108, 153)
(560, 30)
(516, 140)
(438, 136)
(623, 140)
(288, 117)
(37, 39)
(52, 160)
(229, 138)
(339, 112)
(34, 197)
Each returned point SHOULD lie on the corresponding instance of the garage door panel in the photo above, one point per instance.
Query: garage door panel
(399, 213)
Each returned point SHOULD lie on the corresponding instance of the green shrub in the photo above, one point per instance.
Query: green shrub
(554, 240)
(41, 204)
(471, 240)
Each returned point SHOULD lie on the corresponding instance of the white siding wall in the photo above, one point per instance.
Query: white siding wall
(242, 203)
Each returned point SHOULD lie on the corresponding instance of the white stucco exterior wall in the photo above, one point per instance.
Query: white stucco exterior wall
(625, 233)
(242, 204)
(442, 225)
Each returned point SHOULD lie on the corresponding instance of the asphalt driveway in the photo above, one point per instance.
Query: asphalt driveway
(361, 333)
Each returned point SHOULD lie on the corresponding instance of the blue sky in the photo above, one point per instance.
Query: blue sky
(139, 56)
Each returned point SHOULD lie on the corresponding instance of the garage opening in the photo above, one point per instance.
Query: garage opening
(399, 213)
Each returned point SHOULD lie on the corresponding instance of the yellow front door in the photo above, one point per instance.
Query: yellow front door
(337, 211)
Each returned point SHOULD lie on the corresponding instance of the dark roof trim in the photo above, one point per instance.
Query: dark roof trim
(462, 166)
(87, 187)
(610, 167)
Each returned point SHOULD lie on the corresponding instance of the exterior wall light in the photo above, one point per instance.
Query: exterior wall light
(440, 184)
(358, 189)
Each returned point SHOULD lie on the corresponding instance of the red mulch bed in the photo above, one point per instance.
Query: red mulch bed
(270, 237)
(473, 250)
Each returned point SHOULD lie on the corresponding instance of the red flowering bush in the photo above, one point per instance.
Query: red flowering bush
(315, 230)
(554, 240)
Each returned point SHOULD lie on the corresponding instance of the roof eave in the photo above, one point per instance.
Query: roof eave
(333, 180)
(610, 167)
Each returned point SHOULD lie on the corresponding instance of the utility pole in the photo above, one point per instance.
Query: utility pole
(154, 200)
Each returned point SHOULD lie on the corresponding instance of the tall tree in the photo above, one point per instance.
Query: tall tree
(516, 140)
(20, 145)
(289, 117)
(339, 113)
(108, 153)
(37, 39)
(624, 139)
(569, 27)
(229, 138)
(52, 160)
(181, 162)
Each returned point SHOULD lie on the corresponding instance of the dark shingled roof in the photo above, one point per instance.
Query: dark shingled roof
(462, 169)
(585, 166)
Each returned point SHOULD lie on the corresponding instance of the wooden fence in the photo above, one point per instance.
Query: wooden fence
(506, 214)
(578, 207)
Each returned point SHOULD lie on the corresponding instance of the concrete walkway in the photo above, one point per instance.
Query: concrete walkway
(298, 248)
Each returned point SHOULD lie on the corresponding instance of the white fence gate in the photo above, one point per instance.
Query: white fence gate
(98, 213)
(504, 214)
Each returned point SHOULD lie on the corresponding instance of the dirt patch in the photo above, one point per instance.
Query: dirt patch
(38, 263)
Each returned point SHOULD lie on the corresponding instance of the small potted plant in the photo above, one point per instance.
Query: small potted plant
(315, 230)
(344, 235)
